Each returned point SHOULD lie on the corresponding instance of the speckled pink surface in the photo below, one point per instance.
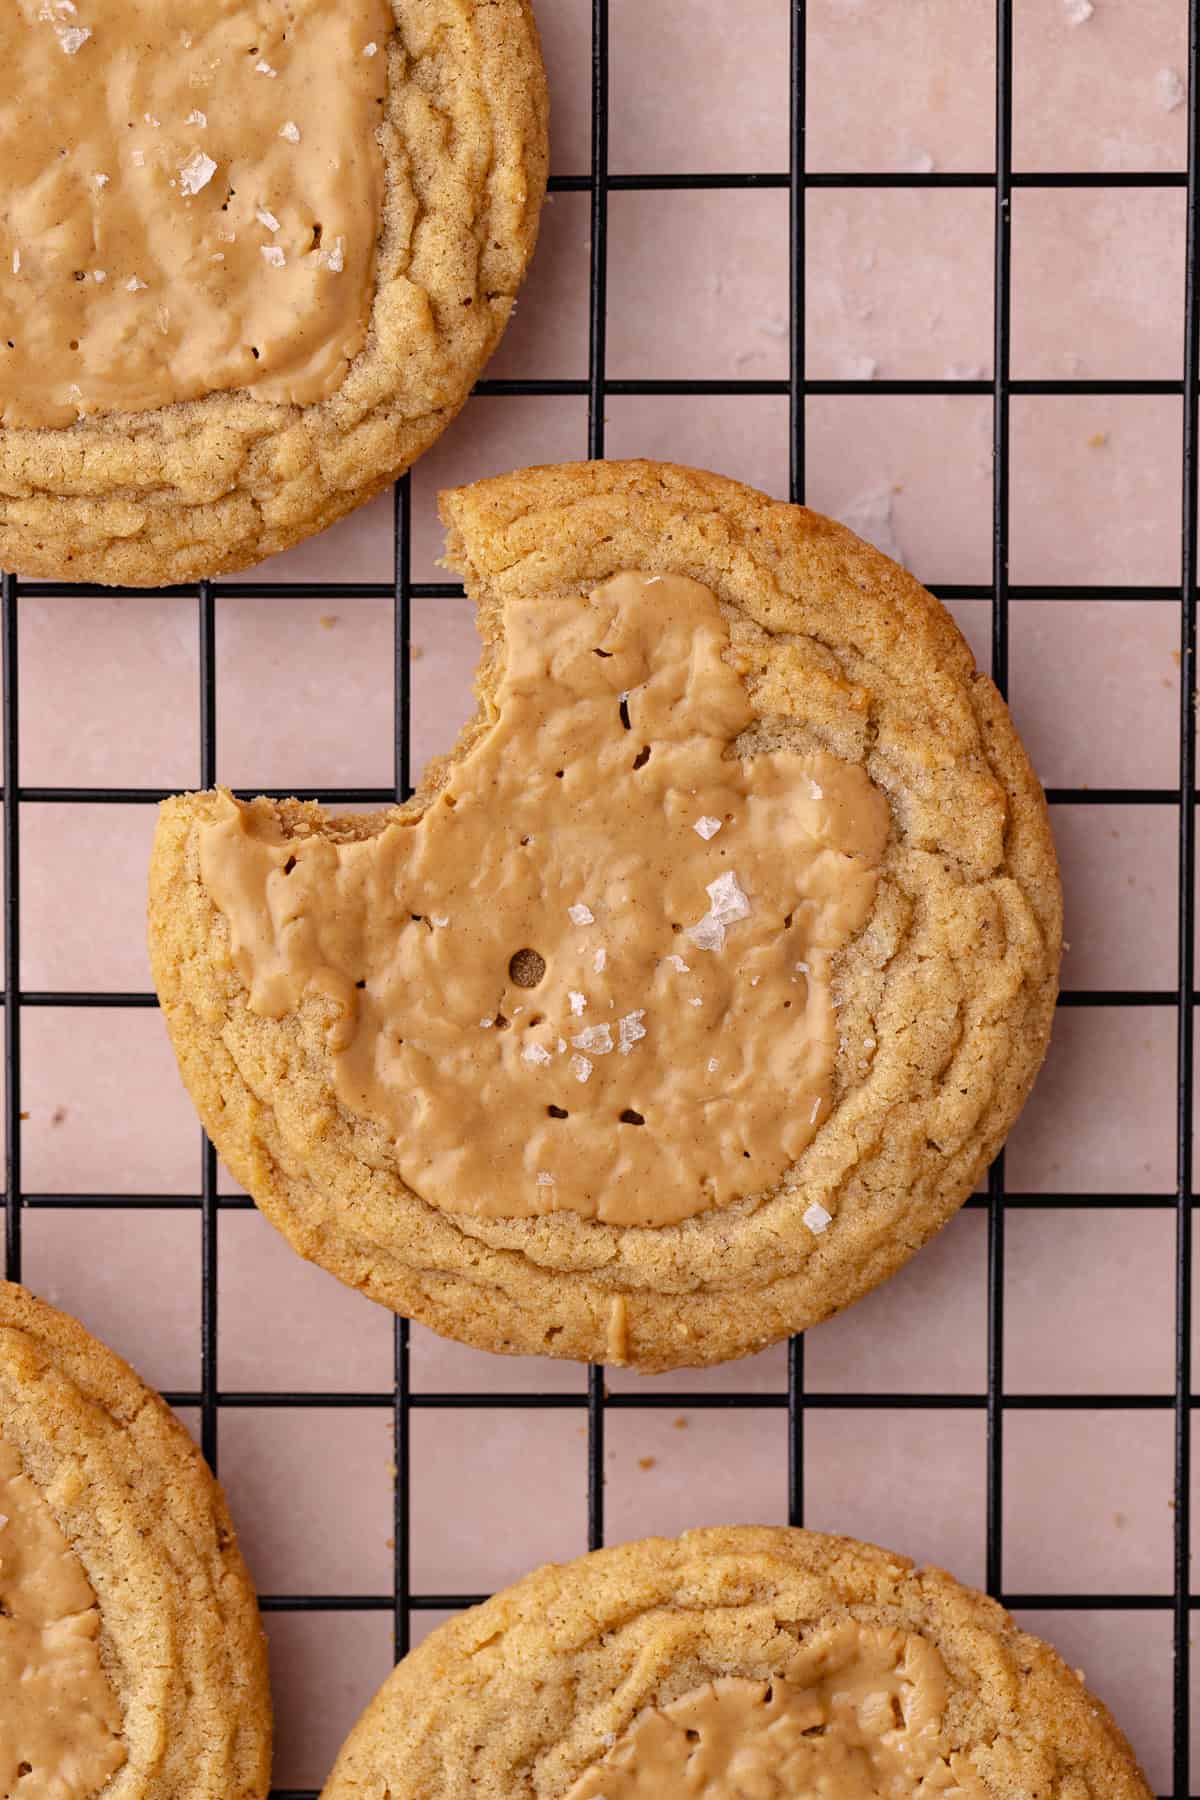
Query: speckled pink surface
(898, 284)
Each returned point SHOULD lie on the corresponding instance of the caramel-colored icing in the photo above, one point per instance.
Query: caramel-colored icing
(191, 199)
(858, 1715)
(60, 1722)
(681, 906)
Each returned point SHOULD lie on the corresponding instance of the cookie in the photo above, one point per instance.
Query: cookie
(736, 1660)
(689, 996)
(132, 1660)
(252, 258)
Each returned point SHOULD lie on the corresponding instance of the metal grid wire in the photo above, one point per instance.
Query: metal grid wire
(995, 1402)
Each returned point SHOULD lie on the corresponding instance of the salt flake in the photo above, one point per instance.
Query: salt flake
(728, 904)
(100, 181)
(271, 253)
(545, 1178)
(267, 218)
(197, 117)
(817, 1219)
(580, 914)
(535, 1053)
(596, 1038)
(291, 131)
(16, 262)
(713, 1065)
(581, 1068)
(486, 1024)
(599, 960)
(196, 172)
(677, 962)
(370, 49)
(264, 68)
(630, 1029)
(578, 1000)
(439, 919)
(707, 827)
(695, 1001)
(100, 275)
(72, 38)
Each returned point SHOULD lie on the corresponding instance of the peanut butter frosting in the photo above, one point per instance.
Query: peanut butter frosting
(595, 976)
(60, 1722)
(857, 1716)
(192, 199)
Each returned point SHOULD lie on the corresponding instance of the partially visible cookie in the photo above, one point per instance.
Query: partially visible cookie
(689, 996)
(253, 254)
(132, 1660)
(730, 1662)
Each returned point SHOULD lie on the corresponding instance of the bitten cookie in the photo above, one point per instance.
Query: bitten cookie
(253, 254)
(690, 996)
(132, 1661)
(736, 1661)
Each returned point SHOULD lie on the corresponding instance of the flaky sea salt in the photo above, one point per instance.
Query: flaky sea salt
(535, 1053)
(290, 130)
(817, 1219)
(100, 181)
(16, 262)
(196, 172)
(266, 218)
(728, 904)
(196, 117)
(486, 1024)
(815, 1114)
(135, 285)
(677, 962)
(545, 1178)
(579, 914)
(816, 790)
(370, 49)
(264, 68)
(441, 920)
(100, 275)
(271, 253)
(630, 1029)
(578, 1001)
(801, 968)
(335, 261)
(695, 1001)
(599, 960)
(713, 1065)
(72, 38)
(707, 827)
(581, 1068)
(596, 1039)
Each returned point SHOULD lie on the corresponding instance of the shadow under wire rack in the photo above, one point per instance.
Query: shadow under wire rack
(592, 1399)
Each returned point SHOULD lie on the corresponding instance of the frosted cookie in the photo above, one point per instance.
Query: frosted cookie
(253, 254)
(731, 1662)
(689, 996)
(132, 1662)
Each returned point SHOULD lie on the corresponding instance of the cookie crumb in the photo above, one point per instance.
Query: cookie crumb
(647, 1462)
(327, 621)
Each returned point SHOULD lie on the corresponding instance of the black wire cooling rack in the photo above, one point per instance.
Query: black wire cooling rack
(211, 1400)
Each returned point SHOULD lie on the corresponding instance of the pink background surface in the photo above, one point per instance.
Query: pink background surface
(899, 284)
